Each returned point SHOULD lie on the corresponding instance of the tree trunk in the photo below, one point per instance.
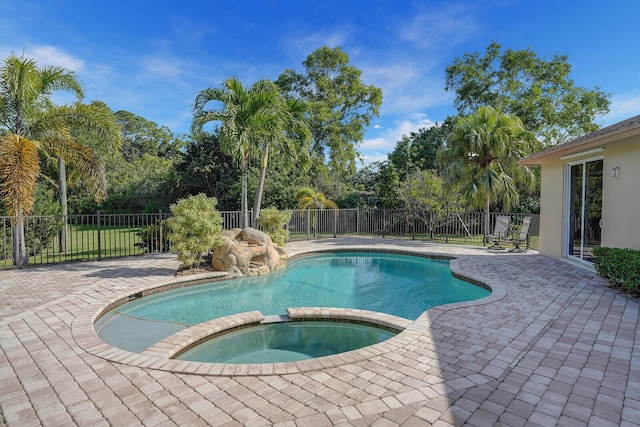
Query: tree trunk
(244, 214)
(62, 186)
(260, 189)
(486, 219)
(20, 256)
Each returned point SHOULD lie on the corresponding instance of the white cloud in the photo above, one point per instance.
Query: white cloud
(377, 148)
(435, 29)
(304, 45)
(623, 106)
(373, 157)
(164, 67)
(375, 144)
(408, 85)
(53, 56)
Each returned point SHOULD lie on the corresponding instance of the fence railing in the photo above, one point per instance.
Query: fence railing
(97, 236)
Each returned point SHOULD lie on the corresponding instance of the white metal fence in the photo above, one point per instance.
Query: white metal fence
(99, 235)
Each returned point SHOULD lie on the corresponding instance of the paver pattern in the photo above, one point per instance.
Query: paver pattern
(553, 345)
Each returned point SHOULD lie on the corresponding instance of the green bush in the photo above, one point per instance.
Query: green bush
(151, 238)
(619, 266)
(195, 228)
(273, 221)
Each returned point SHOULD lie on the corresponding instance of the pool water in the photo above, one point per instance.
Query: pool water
(400, 285)
(286, 342)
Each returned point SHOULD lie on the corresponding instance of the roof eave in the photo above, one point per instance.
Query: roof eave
(587, 144)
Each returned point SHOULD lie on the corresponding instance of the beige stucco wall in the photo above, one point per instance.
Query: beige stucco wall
(551, 206)
(620, 198)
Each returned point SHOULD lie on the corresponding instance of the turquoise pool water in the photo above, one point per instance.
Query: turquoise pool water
(286, 342)
(400, 285)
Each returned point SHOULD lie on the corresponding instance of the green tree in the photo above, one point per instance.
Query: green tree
(538, 91)
(481, 157)
(424, 196)
(285, 131)
(311, 199)
(97, 121)
(243, 114)
(273, 222)
(340, 105)
(386, 185)
(281, 182)
(205, 168)
(146, 184)
(31, 124)
(141, 136)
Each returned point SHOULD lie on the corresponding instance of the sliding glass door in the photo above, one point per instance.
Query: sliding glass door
(584, 209)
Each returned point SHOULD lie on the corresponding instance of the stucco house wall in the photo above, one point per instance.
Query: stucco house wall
(621, 196)
(619, 147)
(551, 191)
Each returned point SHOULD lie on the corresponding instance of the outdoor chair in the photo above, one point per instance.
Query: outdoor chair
(500, 231)
(523, 237)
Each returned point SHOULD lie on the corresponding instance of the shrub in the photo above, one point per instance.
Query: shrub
(273, 221)
(195, 228)
(619, 266)
(151, 238)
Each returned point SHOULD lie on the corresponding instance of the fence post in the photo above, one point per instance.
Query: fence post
(413, 227)
(308, 223)
(384, 222)
(447, 229)
(335, 223)
(358, 221)
(161, 243)
(99, 239)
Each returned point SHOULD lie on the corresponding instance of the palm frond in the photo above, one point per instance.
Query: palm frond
(19, 170)
(58, 78)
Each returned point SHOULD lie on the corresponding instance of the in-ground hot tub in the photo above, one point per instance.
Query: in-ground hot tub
(287, 342)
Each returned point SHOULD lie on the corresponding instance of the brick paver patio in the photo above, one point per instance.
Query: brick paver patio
(552, 345)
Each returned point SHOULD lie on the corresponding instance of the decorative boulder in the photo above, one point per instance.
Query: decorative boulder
(248, 252)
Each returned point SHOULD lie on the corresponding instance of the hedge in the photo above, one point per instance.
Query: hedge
(619, 266)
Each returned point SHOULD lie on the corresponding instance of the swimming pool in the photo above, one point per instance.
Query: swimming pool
(400, 285)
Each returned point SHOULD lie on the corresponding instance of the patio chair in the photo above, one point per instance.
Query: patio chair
(500, 231)
(523, 237)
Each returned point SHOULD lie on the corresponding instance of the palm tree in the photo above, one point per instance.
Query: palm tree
(481, 156)
(236, 115)
(311, 199)
(31, 123)
(250, 120)
(287, 131)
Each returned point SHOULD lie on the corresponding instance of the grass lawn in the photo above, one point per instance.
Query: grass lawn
(82, 244)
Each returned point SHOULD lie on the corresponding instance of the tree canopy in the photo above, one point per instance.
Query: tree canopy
(418, 151)
(141, 136)
(481, 157)
(340, 105)
(539, 91)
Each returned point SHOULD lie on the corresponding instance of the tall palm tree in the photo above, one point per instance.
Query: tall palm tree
(481, 155)
(287, 131)
(239, 115)
(31, 123)
(251, 121)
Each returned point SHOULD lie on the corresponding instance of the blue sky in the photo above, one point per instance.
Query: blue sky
(152, 57)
